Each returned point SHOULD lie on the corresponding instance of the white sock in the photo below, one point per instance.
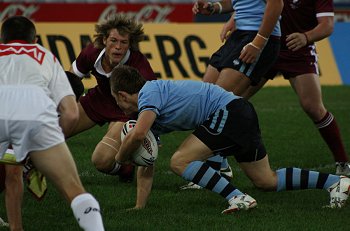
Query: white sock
(87, 212)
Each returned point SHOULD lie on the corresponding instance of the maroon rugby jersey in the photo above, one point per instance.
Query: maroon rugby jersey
(98, 102)
(301, 15)
(88, 56)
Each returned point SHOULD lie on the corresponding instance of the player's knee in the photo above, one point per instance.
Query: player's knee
(100, 162)
(104, 154)
(313, 110)
(177, 165)
(267, 183)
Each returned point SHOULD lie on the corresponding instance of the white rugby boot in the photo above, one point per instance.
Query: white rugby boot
(240, 202)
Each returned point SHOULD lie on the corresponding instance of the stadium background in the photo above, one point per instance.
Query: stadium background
(178, 43)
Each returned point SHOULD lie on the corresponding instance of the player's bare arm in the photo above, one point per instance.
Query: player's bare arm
(69, 114)
(228, 28)
(144, 185)
(324, 28)
(135, 137)
(272, 13)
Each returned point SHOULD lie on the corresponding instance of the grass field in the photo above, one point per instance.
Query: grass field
(291, 140)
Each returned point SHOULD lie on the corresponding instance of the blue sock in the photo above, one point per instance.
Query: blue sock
(296, 178)
(224, 163)
(202, 174)
(215, 162)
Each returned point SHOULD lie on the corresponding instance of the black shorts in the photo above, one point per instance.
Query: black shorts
(235, 131)
(228, 55)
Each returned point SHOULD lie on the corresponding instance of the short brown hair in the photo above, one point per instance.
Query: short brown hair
(124, 25)
(126, 78)
(18, 28)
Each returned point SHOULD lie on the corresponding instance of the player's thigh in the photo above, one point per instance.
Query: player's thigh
(107, 148)
(260, 173)
(233, 80)
(211, 74)
(191, 149)
(308, 89)
(58, 165)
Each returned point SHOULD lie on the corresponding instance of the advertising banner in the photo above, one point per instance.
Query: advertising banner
(146, 12)
(94, 12)
(175, 51)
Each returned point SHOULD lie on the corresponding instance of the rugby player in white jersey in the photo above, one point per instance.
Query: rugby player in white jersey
(33, 90)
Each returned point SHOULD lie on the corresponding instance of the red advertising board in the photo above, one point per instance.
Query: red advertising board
(93, 12)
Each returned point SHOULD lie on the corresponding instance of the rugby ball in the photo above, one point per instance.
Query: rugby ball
(147, 153)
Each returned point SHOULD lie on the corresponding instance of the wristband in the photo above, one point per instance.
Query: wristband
(255, 46)
(263, 37)
(220, 7)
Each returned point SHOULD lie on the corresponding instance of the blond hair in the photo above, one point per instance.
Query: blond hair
(124, 25)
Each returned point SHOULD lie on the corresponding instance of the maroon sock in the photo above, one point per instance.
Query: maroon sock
(329, 131)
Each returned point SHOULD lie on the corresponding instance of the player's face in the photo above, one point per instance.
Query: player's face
(116, 47)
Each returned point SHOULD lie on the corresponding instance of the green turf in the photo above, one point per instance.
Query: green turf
(291, 140)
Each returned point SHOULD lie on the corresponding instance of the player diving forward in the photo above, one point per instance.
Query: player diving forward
(222, 122)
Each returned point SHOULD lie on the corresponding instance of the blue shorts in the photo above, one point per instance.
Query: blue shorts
(235, 131)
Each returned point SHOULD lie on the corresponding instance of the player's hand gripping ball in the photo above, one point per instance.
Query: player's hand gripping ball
(147, 153)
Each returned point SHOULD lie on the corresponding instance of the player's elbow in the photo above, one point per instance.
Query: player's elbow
(330, 29)
(327, 26)
(72, 117)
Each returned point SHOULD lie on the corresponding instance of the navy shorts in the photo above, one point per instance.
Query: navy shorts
(228, 55)
(233, 130)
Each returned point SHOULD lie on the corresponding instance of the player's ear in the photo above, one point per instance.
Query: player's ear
(124, 95)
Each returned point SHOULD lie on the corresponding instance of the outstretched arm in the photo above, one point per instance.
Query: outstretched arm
(130, 144)
(144, 185)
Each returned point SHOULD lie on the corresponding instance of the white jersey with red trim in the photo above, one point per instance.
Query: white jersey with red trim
(32, 64)
(32, 84)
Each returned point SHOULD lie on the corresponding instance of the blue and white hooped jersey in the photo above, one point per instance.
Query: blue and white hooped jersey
(183, 104)
(249, 15)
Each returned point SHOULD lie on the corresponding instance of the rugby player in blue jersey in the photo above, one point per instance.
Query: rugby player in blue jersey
(221, 122)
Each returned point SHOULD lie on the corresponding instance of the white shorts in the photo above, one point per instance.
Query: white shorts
(28, 121)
